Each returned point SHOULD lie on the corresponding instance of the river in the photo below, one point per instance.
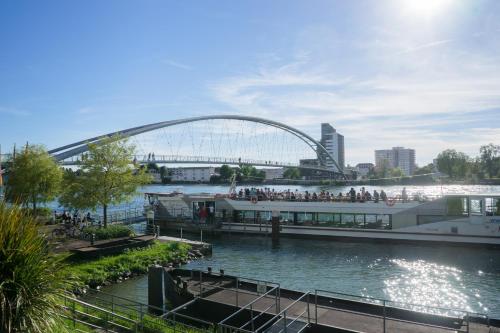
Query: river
(444, 276)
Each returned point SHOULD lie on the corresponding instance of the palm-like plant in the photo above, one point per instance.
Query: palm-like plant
(30, 280)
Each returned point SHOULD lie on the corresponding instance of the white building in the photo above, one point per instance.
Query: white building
(362, 169)
(192, 174)
(397, 157)
(273, 173)
(334, 144)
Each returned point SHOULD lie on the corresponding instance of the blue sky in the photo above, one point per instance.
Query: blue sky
(422, 74)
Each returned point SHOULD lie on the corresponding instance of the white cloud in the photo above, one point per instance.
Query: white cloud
(394, 105)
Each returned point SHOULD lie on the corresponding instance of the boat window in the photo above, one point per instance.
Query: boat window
(492, 206)
(457, 206)
(476, 207)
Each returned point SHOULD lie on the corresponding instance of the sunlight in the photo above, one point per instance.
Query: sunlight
(426, 8)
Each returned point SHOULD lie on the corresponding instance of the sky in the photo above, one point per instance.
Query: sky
(423, 74)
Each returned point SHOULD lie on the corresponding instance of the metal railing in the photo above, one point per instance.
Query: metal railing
(386, 307)
(287, 320)
(251, 307)
(142, 314)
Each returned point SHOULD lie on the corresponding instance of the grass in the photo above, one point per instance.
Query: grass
(136, 261)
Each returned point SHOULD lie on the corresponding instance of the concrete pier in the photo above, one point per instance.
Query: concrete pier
(203, 247)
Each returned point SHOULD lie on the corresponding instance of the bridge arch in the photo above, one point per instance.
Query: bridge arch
(77, 148)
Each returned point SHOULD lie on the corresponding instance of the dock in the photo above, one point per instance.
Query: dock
(203, 247)
(234, 304)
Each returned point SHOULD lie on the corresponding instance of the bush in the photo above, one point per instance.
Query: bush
(137, 261)
(112, 231)
(30, 280)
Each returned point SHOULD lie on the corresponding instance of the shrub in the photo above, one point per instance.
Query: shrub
(109, 268)
(30, 280)
(112, 231)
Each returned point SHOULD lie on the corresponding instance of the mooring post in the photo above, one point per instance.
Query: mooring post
(384, 315)
(156, 287)
(276, 226)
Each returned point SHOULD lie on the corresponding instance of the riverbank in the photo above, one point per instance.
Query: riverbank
(94, 273)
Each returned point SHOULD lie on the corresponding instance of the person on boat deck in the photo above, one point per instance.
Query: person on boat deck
(404, 195)
(340, 197)
(352, 193)
(383, 196)
(315, 196)
(363, 192)
(368, 196)
(375, 196)
(358, 197)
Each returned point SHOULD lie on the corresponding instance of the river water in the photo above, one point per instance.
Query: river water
(444, 276)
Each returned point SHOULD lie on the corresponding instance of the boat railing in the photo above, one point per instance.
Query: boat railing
(455, 320)
(391, 200)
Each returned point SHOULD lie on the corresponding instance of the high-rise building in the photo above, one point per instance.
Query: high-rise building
(397, 157)
(334, 144)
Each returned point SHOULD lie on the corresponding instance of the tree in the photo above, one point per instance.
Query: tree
(429, 168)
(34, 177)
(31, 281)
(291, 173)
(106, 177)
(396, 172)
(490, 159)
(226, 172)
(454, 164)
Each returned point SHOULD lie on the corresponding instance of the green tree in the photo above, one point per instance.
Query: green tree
(34, 177)
(30, 280)
(226, 172)
(490, 159)
(396, 172)
(291, 173)
(429, 168)
(454, 164)
(106, 177)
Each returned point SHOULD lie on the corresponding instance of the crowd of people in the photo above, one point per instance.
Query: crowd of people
(263, 194)
(76, 219)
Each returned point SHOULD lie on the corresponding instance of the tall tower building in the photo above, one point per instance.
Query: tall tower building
(334, 144)
(397, 157)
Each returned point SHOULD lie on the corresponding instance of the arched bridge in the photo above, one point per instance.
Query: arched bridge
(254, 138)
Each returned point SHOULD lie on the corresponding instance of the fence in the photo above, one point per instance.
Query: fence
(390, 314)
(107, 312)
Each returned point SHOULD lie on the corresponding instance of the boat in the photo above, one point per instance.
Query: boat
(462, 219)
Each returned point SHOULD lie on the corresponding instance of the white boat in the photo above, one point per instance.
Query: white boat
(451, 219)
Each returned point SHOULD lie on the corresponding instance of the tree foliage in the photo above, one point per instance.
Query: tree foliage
(429, 168)
(292, 173)
(30, 280)
(454, 164)
(248, 173)
(490, 159)
(34, 177)
(106, 177)
(226, 172)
